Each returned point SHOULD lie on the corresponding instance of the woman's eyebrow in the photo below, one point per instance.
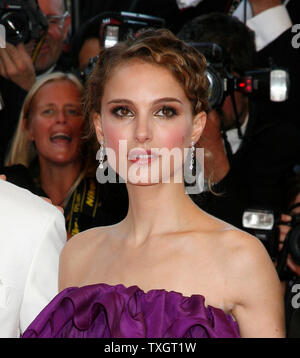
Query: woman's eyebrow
(120, 100)
(159, 100)
(167, 99)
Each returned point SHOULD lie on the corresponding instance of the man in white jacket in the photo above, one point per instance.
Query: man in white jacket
(32, 235)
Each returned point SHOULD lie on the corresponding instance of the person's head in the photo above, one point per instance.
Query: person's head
(51, 123)
(238, 44)
(59, 22)
(86, 42)
(150, 91)
(90, 48)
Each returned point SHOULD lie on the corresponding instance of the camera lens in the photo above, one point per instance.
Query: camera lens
(216, 88)
(16, 27)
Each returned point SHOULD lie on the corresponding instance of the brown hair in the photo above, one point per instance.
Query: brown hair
(159, 47)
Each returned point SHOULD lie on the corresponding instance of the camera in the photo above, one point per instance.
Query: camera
(264, 225)
(272, 83)
(23, 20)
(117, 26)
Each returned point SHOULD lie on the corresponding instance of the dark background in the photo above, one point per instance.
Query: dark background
(84, 9)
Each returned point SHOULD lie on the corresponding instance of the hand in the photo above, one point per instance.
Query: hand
(17, 66)
(283, 231)
(259, 6)
(216, 164)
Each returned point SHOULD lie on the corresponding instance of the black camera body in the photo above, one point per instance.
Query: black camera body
(272, 83)
(23, 20)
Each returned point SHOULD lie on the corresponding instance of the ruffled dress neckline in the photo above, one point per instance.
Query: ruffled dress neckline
(115, 311)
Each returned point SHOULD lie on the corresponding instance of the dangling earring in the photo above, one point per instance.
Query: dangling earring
(101, 154)
(192, 156)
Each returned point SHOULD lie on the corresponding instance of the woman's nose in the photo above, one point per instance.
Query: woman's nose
(143, 130)
(61, 116)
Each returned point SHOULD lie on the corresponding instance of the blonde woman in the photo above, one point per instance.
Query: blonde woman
(48, 150)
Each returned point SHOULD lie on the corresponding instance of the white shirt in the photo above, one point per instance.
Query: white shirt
(233, 136)
(268, 25)
(32, 235)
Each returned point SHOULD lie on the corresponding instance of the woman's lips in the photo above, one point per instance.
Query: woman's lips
(142, 157)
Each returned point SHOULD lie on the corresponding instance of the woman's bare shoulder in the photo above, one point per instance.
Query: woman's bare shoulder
(77, 254)
(243, 247)
(248, 264)
(234, 248)
(240, 247)
(84, 240)
(228, 236)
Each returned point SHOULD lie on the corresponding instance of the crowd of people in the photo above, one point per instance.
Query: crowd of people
(146, 239)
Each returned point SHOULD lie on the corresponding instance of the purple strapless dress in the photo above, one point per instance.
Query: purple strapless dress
(105, 311)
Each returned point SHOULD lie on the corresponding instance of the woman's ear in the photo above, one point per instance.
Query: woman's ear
(198, 126)
(98, 126)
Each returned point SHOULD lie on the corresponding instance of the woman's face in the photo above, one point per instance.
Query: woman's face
(146, 107)
(56, 123)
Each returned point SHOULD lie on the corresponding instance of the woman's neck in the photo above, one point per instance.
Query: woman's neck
(57, 180)
(156, 210)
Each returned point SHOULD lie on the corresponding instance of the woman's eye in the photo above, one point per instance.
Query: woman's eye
(73, 112)
(48, 111)
(122, 112)
(166, 112)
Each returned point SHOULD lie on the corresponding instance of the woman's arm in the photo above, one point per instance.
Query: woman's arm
(257, 295)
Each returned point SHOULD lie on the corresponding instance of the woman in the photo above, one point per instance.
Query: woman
(49, 156)
(168, 269)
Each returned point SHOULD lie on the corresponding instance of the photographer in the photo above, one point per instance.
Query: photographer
(272, 22)
(18, 71)
(250, 148)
